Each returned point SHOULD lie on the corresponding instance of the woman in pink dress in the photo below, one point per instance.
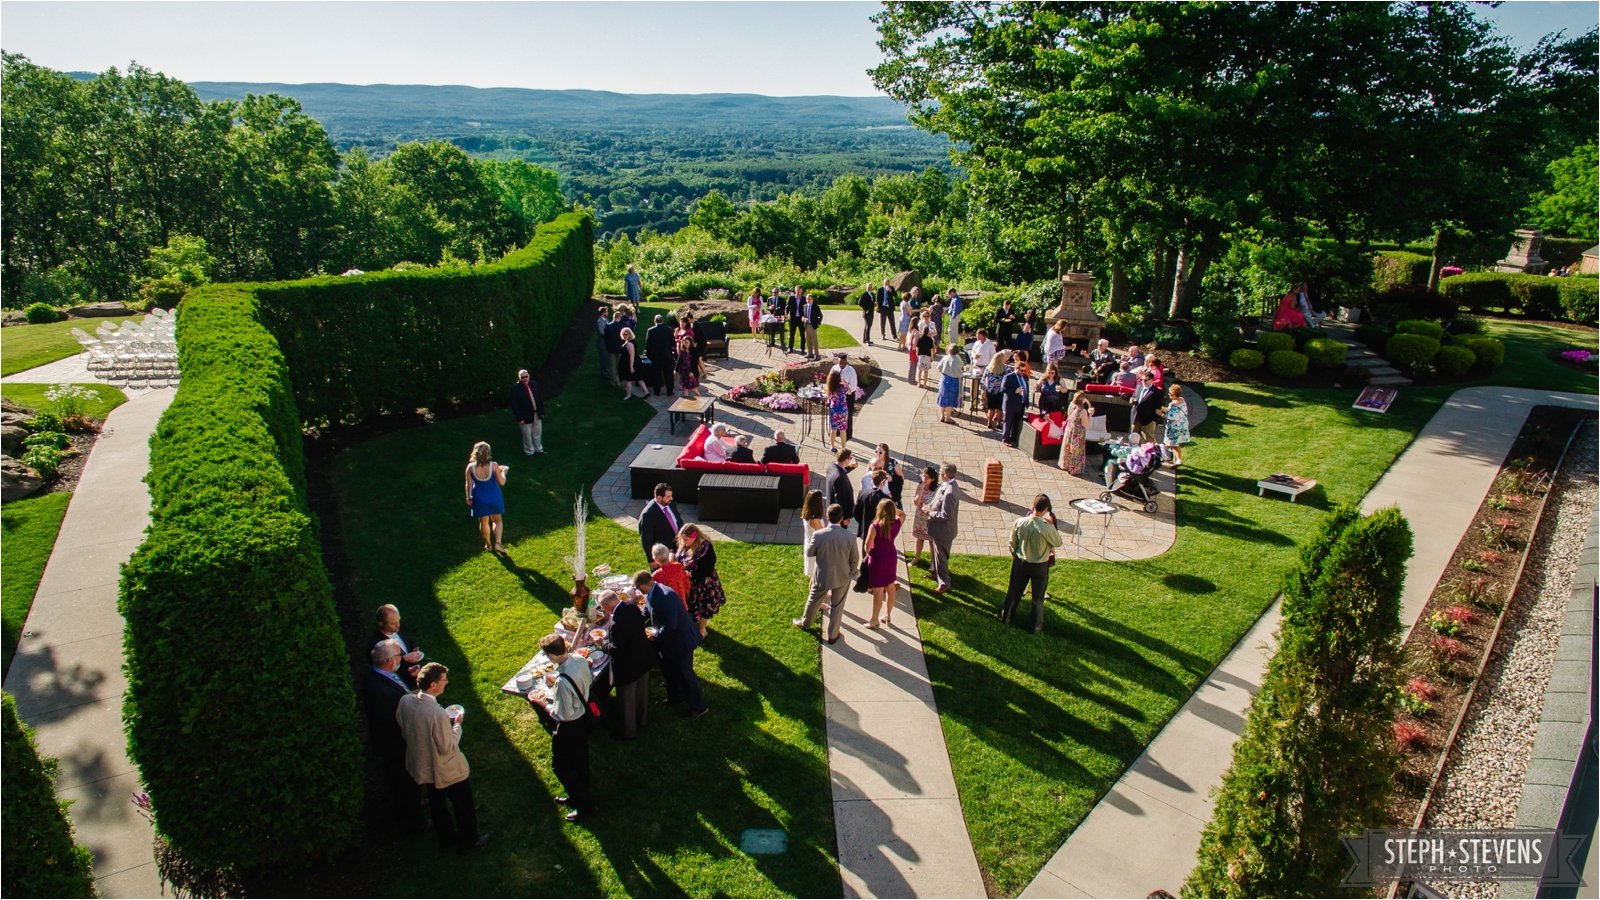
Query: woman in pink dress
(883, 560)
(919, 524)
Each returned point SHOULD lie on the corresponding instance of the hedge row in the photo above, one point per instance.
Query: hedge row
(239, 709)
(41, 858)
(391, 342)
(1398, 268)
(1315, 761)
(1563, 251)
(1574, 298)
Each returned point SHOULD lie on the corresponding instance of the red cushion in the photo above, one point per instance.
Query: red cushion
(696, 464)
(1041, 424)
(1115, 389)
(739, 468)
(696, 446)
(801, 469)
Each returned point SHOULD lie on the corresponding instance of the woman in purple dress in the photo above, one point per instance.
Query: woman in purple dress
(883, 560)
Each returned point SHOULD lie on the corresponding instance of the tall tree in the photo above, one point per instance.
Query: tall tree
(279, 197)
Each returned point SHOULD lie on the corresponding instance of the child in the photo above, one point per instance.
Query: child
(1177, 424)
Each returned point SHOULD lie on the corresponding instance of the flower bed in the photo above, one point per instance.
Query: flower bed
(798, 387)
(1458, 629)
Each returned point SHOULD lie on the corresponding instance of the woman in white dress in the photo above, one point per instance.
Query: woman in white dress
(813, 518)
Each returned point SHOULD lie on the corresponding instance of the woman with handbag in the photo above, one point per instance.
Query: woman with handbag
(881, 560)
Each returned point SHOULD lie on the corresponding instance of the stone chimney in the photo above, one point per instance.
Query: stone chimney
(1077, 310)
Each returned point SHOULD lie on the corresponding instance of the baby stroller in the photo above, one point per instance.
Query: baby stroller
(1133, 480)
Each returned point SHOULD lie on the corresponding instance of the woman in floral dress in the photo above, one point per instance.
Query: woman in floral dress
(919, 522)
(1177, 424)
(1072, 449)
(705, 588)
(688, 379)
(838, 411)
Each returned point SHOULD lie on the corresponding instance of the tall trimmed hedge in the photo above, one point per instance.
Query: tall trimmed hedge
(1398, 268)
(391, 342)
(41, 858)
(1315, 761)
(239, 709)
(1573, 298)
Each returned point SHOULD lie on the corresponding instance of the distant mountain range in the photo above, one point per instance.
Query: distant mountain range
(359, 107)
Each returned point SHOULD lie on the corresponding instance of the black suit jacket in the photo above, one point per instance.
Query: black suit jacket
(659, 345)
(405, 641)
(838, 489)
(655, 529)
(816, 314)
(1145, 408)
(784, 452)
(742, 455)
(632, 654)
(676, 633)
(523, 408)
(382, 697)
(792, 305)
(867, 508)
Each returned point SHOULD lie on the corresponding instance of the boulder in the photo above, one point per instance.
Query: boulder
(17, 480)
(101, 311)
(905, 281)
(738, 316)
(11, 438)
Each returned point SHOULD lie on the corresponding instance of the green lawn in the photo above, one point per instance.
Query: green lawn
(25, 346)
(28, 530)
(1039, 728)
(829, 337)
(32, 396)
(676, 800)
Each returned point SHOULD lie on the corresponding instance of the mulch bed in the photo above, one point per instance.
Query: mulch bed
(1477, 583)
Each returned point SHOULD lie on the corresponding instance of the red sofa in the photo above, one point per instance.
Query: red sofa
(792, 477)
(1036, 440)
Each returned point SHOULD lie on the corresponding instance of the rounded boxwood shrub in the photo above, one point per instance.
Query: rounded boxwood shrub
(40, 313)
(1419, 326)
(1411, 351)
(1580, 299)
(1270, 342)
(1288, 364)
(1489, 352)
(1453, 361)
(1325, 352)
(1245, 358)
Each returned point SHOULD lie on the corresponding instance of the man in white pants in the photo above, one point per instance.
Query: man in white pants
(527, 407)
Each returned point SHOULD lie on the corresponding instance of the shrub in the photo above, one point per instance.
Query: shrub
(1447, 650)
(1412, 302)
(1218, 335)
(41, 313)
(1538, 296)
(1245, 358)
(1325, 352)
(1487, 352)
(54, 439)
(1410, 737)
(42, 859)
(1464, 325)
(1453, 361)
(1478, 291)
(245, 765)
(1420, 326)
(1580, 299)
(1174, 336)
(1411, 351)
(68, 403)
(395, 341)
(1287, 363)
(1422, 689)
(1397, 268)
(1443, 624)
(698, 284)
(1314, 761)
(44, 460)
(1269, 342)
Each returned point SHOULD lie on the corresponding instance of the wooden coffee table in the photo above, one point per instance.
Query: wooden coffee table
(684, 408)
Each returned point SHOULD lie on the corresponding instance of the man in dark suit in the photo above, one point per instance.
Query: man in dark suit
(886, 311)
(632, 658)
(780, 451)
(792, 305)
(1147, 403)
(676, 638)
(867, 504)
(741, 450)
(381, 690)
(613, 342)
(836, 486)
(389, 629)
(1014, 393)
(527, 407)
(662, 350)
(659, 521)
(1005, 324)
(868, 304)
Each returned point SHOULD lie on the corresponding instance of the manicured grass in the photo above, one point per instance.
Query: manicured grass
(829, 337)
(25, 346)
(32, 396)
(676, 800)
(28, 529)
(1528, 362)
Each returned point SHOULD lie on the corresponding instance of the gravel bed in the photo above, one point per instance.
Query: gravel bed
(1482, 783)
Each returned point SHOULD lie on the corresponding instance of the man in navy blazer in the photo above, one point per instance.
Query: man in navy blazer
(676, 638)
(659, 521)
(381, 689)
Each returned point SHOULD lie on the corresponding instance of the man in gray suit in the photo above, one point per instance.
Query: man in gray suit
(942, 510)
(838, 556)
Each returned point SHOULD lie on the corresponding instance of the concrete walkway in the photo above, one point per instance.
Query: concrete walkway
(1144, 833)
(67, 671)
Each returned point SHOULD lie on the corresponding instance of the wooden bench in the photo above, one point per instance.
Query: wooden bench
(739, 498)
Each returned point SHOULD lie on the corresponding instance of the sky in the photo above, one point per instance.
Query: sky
(778, 48)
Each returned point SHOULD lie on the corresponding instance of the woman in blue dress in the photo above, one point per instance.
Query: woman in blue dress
(949, 384)
(484, 500)
(838, 411)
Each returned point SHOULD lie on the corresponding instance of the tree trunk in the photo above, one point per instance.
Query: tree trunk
(1118, 302)
(1438, 259)
(1161, 279)
(1187, 275)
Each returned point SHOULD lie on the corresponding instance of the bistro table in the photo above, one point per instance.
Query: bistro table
(1093, 507)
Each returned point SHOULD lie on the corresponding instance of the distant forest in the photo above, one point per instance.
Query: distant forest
(640, 160)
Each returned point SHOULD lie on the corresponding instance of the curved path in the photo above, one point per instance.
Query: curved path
(1144, 833)
(67, 671)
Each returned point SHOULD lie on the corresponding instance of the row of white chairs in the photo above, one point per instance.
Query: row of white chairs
(132, 352)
